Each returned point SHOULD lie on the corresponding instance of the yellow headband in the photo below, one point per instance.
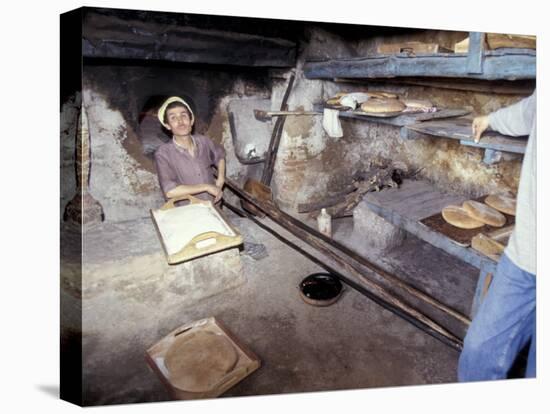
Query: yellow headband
(167, 102)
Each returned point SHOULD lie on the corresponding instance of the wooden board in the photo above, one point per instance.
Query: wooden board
(212, 381)
(414, 201)
(461, 129)
(510, 64)
(192, 231)
(462, 237)
(487, 246)
(401, 118)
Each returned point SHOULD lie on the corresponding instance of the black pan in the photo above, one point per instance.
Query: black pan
(320, 289)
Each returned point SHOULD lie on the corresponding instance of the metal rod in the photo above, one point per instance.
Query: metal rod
(383, 273)
(455, 344)
(276, 137)
(282, 218)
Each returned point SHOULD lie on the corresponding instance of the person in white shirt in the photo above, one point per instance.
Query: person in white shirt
(506, 319)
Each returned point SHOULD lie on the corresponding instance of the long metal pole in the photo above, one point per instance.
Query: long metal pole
(381, 272)
(375, 290)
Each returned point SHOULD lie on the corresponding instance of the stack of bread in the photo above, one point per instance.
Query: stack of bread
(379, 103)
(353, 100)
(473, 214)
(419, 105)
(382, 105)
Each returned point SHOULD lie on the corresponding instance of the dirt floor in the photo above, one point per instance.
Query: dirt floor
(351, 344)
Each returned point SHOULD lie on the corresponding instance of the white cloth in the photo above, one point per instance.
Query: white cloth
(352, 100)
(331, 123)
(516, 120)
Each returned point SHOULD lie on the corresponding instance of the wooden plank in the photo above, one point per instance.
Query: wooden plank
(523, 87)
(501, 64)
(393, 208)
(487, 246)
(108, 36)
(415, 199)
(475, 53)
(406, 118)
(499, 143)
(458, 235)
(461, 129)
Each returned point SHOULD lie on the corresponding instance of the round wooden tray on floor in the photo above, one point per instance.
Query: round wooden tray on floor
(199, 360)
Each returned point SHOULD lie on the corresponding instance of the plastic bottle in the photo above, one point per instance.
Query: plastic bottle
(324, 223)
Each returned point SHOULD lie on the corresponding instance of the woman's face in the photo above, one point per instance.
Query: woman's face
(179, 121)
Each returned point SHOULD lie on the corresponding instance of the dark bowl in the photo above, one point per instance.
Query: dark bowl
(320, 289)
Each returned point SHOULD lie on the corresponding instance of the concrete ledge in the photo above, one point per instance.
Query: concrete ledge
(373, 230)
(126, 259)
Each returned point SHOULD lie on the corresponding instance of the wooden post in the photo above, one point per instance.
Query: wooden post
(474, 63)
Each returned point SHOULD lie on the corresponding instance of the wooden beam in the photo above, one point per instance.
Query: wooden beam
(461, 129)
(406, 118)
(113, 37)
(523, 87)
(474, 63)
(508, 64)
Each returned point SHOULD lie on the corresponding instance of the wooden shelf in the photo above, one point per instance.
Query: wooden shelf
(446, 123)
(461, 129)
(413, 201)
(400, 120)
(508, 64)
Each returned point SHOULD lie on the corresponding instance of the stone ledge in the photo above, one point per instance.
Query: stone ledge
(126, 258)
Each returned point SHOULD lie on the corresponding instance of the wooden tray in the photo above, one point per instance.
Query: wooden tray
(193, 230)
(208, 371)
(462, 237)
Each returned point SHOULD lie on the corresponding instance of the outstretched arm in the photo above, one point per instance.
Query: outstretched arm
(514, 120)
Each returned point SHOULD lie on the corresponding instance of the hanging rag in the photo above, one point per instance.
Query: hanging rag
(331, 123)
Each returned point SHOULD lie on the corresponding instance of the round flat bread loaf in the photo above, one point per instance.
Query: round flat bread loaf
(417, 103)
(484, 213)
(382, 105)
(458, 217)
(197, 361)
(386, 95)
(502, 203)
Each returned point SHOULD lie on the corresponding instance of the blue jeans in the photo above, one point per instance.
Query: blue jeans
(505, 322)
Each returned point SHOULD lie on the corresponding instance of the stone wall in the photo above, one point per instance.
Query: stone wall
(121, 101)
(311, 165)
